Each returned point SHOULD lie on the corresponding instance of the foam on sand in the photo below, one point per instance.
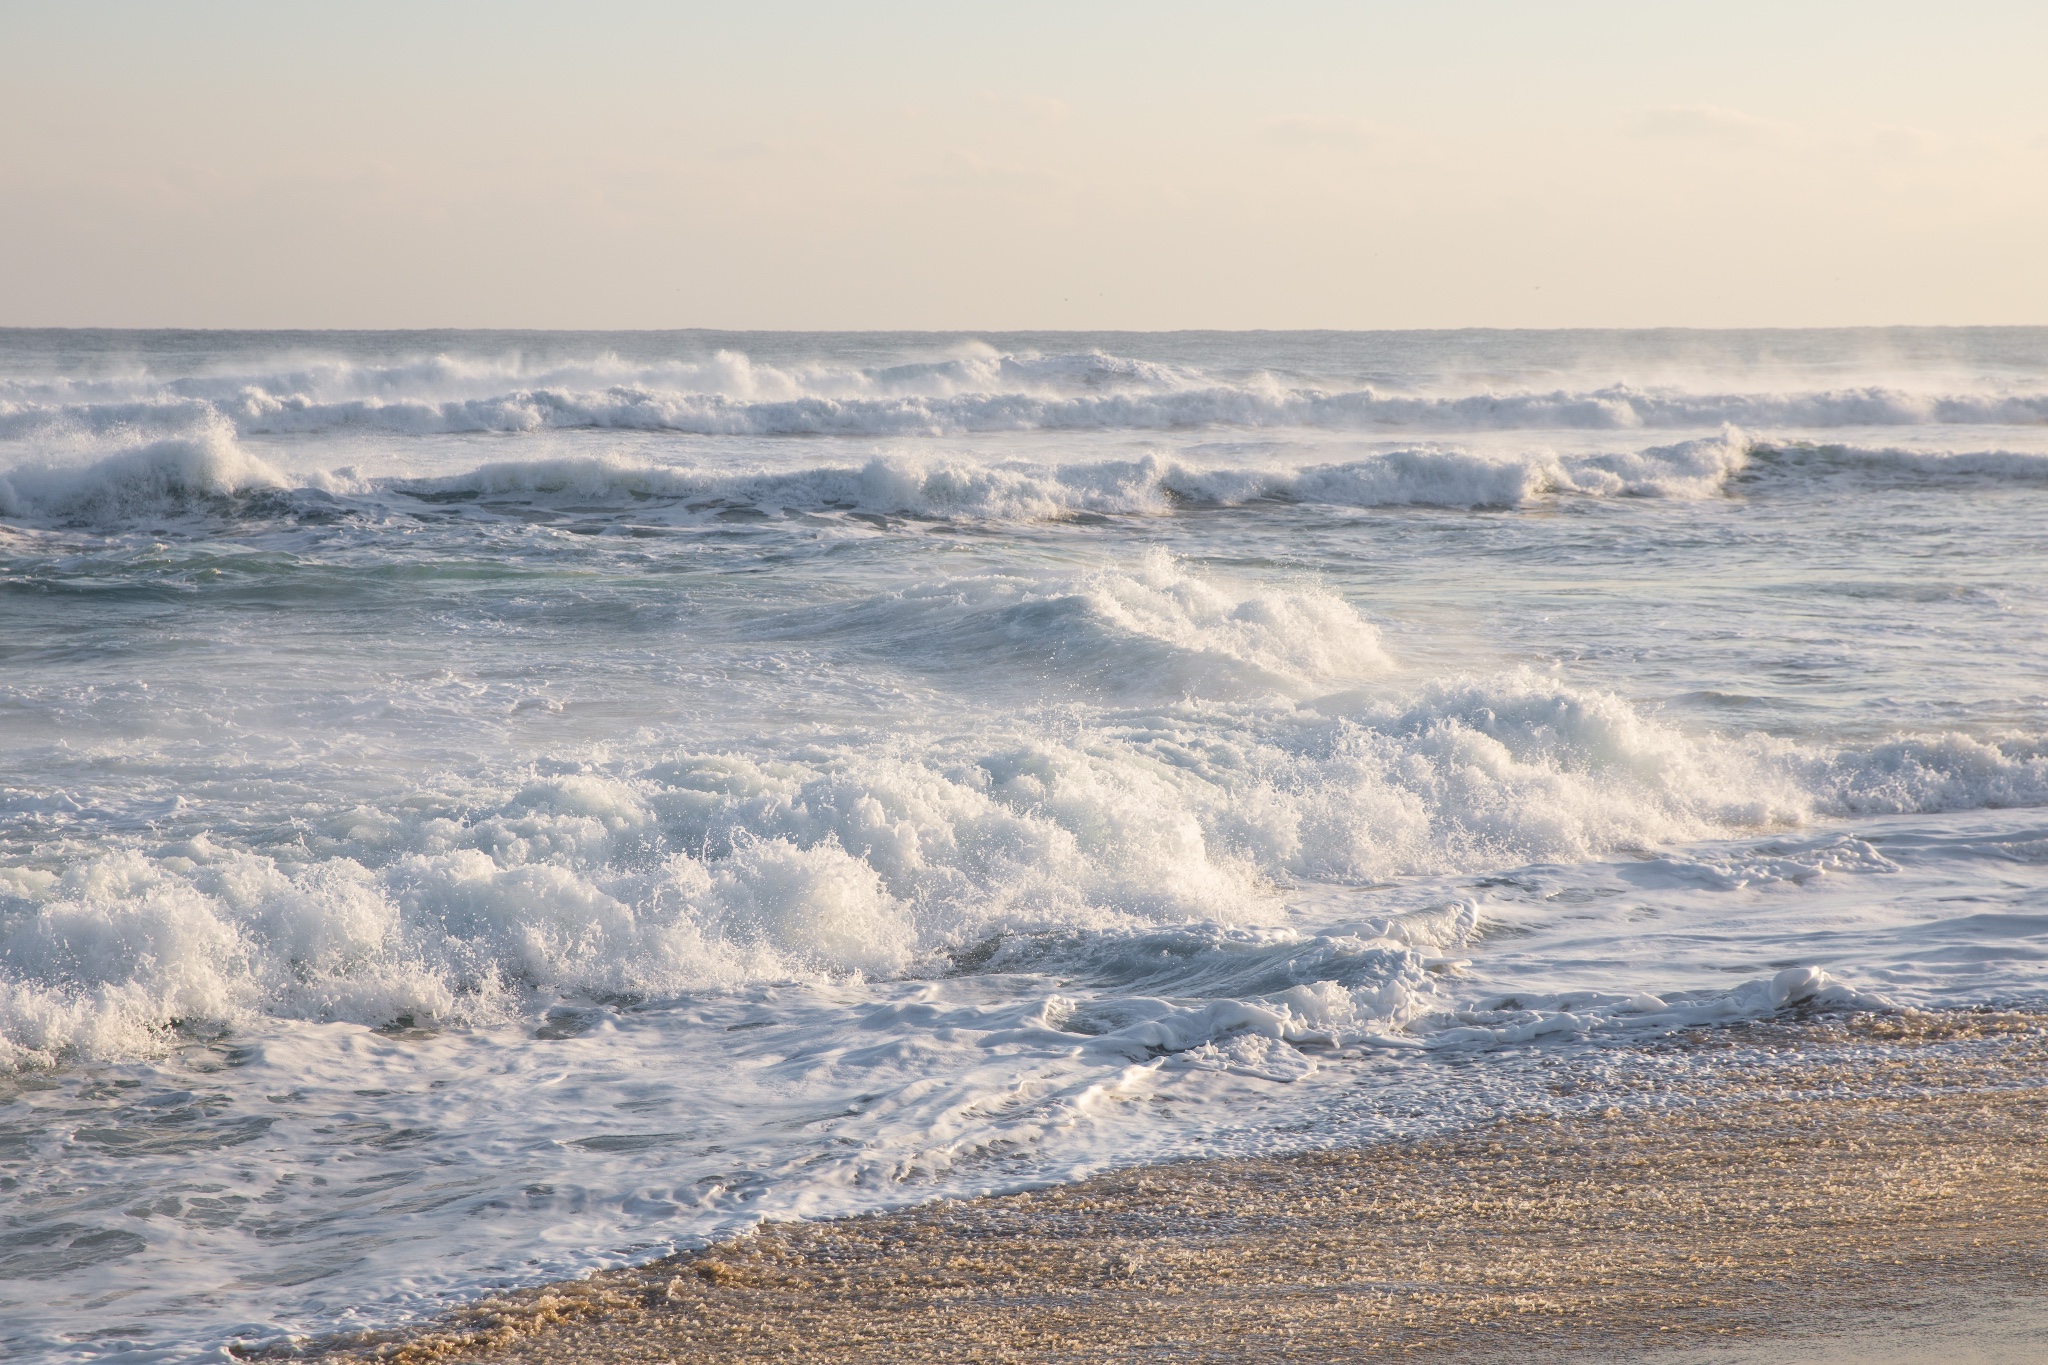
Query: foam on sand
(1894, 1175)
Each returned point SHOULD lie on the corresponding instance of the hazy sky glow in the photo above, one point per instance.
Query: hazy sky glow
(809, 165)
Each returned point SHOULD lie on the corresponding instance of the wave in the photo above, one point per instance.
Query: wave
(908, 485)
(204, 470)
(1150, 629)
(1704, 467)
(729, 394)
(1895, 465)
(715, 870)
(1933, 773)
(208, 471)
(725, 374)
(1362, 410)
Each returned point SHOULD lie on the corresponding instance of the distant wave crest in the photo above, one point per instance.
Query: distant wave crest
(730, 395)
(208, 473)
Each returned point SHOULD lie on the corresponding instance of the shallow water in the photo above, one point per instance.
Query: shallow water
(480, 806)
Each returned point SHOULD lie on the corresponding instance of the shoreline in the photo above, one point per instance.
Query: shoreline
(1878, 1173)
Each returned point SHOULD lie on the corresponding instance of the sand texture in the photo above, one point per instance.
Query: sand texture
(1831, 1174)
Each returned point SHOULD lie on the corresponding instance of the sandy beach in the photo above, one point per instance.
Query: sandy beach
(1876, 1181)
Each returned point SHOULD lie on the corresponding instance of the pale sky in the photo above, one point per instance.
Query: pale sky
(983, 166)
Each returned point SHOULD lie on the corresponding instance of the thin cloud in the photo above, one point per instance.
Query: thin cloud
(960, 168)
(1904, 144)
(769, 150)
(1707, 123)
(1322, 131)
(1034, 108)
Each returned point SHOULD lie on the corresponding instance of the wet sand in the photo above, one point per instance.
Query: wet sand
(1876, 1179)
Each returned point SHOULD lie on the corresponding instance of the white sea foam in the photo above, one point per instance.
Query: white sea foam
(198, 472)
(980, 391)
(1425, 476)
(714, 870)
(711, 871)
(1936, 773)
(523, 812)
(207, 466)
(1892, 464)
(208, 469)
(1522, 1020)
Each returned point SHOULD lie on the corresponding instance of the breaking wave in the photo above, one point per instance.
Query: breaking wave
(1016, 490)
(712, 870)
(209, 472)
(202, 470)
(729, 394)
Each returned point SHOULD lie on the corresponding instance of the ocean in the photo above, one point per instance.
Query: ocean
(477, 807)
